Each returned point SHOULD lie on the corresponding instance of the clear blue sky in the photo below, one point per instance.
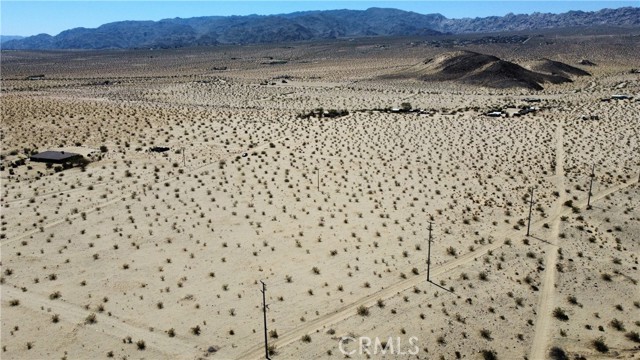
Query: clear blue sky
(35, 17)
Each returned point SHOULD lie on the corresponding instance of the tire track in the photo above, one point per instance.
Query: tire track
(121, 198)
(349, 310)
(546, 298)
(108, 325)
(264, 145)
(53, 193)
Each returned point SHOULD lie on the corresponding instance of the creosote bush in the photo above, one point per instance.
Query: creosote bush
(91, 319)
(560, 314)
(362, 310)
(600, 345)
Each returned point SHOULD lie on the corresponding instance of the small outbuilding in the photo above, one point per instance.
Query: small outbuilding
(159, 149)
(621, 97)
(56, 157)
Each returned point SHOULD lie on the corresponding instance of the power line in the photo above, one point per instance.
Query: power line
(530, 208)
(593, 169)
(429, 255)
(264, 313)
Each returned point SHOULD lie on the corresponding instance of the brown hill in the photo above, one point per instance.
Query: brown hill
(479, 69)
(552, 67)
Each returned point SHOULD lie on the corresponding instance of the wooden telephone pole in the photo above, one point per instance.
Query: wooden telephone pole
(530, 208)
(429, 255)
(593, 169)
(264, 313)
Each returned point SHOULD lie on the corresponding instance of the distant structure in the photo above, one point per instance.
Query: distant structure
(532, 100)
(495, 113)
(56, 157)
(617, 97)
(621, 97)
(35, 77)
(159, 149)
(526, 110)
(587, 62)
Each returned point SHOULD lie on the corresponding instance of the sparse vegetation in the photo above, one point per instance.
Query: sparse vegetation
(91, 319)
(560, 314)
(203, 182)
(363, 311)
(600, 345)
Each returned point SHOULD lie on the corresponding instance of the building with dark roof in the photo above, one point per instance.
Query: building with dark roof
(56, 157)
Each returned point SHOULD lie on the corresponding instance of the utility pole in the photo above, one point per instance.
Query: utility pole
(318, 179)
(184, 161)
(429, 255)
(593, 169)
(530, 208)
(264, 312)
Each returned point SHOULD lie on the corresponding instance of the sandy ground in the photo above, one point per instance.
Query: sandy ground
(160, 255)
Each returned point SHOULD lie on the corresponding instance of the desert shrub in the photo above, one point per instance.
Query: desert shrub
(90, 319)
(633, 336)
(141, 345)
(556, 353)
(559, 314)
(483, 276)
(196, 330)
(617, 324)
(600, 345)
(362, 310)
(489, 355)
(306, 338)
(485, 333)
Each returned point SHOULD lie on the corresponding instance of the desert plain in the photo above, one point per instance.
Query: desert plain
(300, 165)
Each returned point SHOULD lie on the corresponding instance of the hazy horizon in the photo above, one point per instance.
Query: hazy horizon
(28, 18)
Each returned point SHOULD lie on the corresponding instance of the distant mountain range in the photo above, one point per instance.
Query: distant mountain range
(5, 38)
(308, 25)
